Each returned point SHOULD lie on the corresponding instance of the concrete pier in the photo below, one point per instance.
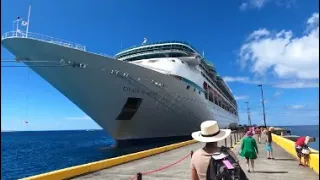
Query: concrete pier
(175, 164)
(284, 166)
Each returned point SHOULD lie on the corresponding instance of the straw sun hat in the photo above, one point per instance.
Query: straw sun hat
(210, 132)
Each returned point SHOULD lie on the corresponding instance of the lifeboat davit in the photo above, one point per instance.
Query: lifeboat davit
(191, 60)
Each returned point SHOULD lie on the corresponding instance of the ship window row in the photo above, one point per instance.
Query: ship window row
(208, 105)
(155, 60)
(209, 94)
(209, 80)
(223, 88)
(205, 104)
(213, 97)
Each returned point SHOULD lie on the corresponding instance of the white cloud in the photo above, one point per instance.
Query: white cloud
(283, 84)
(283, 55)
(277, 94)
(57, 124)
(252, 4)
(265, 101)
(258, 34)
(241, 79)
(298, 106)
(313, 20)
(297, 85)
(258, 4)
(79, 118)
(241, 97)
(243, 6)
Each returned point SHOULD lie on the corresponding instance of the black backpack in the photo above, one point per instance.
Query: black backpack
(218, 171)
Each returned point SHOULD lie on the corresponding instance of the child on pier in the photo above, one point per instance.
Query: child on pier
(269, 143)
(258, 133)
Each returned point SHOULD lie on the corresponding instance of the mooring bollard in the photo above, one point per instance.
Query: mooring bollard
(139, 176)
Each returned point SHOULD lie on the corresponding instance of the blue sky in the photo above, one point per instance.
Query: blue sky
(273, 42)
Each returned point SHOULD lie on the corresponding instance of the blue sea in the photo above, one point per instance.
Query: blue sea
(25, 154)
(30, 153)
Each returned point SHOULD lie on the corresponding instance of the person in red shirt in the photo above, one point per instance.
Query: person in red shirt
(301, 143)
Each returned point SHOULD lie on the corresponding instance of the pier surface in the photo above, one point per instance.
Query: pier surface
(284, 166)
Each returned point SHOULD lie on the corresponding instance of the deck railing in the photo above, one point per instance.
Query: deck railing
(41, 37)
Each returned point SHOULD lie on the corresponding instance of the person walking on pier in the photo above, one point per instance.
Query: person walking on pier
(209, 134)
(300, 145)
(269, 143)
(249, 150)
(258, 133)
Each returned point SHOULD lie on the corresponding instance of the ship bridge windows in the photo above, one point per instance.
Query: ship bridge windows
(150, 56)
(153, 61)
(130, 108)
(162, 50)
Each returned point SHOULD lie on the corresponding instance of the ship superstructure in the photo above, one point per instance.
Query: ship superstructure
(155, 55)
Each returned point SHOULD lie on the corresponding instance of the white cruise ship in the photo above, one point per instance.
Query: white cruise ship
(155, 90)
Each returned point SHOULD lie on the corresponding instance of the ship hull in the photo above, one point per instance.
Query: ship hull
(102, 87)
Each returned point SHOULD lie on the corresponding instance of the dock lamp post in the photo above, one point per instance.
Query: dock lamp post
(249, 119)
(264, 114)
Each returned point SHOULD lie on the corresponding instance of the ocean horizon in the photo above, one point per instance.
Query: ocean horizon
(102, 129)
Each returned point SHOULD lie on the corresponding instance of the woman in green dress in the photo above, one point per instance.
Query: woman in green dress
(249, 150)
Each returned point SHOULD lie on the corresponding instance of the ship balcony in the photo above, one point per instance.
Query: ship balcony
(44, 38)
